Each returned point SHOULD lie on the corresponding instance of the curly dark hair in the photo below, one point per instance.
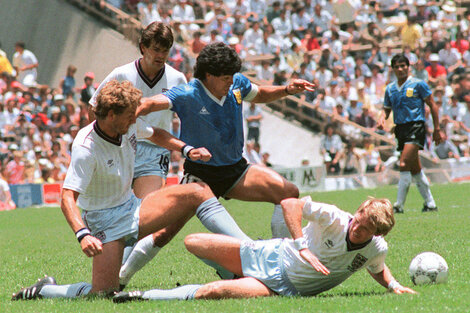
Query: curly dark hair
(157, 32)
(217, 59)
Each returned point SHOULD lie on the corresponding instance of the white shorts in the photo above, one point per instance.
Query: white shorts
(115, 223)
(262, 260)
(151, 160)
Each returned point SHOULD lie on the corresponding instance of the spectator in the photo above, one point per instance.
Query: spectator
(412, 33)
(14, 169)
(435, 70)
(351, 159)
(5, 65)
(88, 88)
(282, 25)
(6, 203)
(372, 157)
(67, 84)
(25, 64)
(366, 119)
(446, 149)
(253, 116)
(450, 57)
(331, 148)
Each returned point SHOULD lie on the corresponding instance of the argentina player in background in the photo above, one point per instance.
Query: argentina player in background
(406, 98)
(210, 110)
(152, 76)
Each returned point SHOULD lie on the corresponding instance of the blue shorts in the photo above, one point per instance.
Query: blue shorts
(115, 223)
(262, 260)
(151, 160)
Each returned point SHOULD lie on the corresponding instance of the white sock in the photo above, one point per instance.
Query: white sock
(278, 225)
(127, 252)
(65, 291)
(216, 219)
(143, 252)
(423, 186)
(403, 187)
(186, 292)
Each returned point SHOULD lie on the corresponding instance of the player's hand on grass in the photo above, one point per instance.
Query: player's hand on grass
(200, 154)
(313, 260)
(402, 289)
(91, 246)
(299, 85)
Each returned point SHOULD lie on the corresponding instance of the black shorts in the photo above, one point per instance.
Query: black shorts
(412, 132)
(221, 179)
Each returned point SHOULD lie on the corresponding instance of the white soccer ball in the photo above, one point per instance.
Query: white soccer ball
(427, 268)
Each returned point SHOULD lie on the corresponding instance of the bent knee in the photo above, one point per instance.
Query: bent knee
(288, 191)
(193, 241)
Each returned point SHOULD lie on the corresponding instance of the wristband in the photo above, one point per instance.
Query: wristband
(185, 150)
(300, 244)
(287, 91)
(82, 233)
(393, 284)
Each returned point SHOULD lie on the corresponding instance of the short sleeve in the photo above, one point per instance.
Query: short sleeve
(321, 213)
(248, 90)
(387, 102)
(144, 130)
(80, 170)
(377, 264)
(178, 96)
(423, 90)
(111, 76)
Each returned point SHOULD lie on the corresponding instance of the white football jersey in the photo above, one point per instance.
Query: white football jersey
(100, 170)
(133, 73)
(326, 237)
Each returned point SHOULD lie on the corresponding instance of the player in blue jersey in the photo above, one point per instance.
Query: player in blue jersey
(406, 98)
(210, 109)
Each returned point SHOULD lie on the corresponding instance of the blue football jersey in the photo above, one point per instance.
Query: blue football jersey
(407, 101)
(217, 126)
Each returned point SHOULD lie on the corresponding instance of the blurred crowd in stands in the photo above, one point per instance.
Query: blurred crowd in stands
(344, 46)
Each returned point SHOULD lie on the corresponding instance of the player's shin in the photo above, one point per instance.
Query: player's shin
(403, 187)
(423, 187)
(65, 291)
(216, 219)
(143, 252)
(186, 292)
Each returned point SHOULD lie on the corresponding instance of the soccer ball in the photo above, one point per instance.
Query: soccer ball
(427, 268)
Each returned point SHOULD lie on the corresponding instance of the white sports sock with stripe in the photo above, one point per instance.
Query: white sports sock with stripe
(423, 186)
(65, 291)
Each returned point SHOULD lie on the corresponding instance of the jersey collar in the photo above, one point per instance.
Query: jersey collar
(149, 82)
(400, 87)
(214, 98)
(105, 137)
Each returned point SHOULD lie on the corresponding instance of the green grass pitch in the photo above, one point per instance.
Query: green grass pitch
(35, 242)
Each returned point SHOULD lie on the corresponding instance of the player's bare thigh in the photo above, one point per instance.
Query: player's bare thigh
(263, 184)
(169, 205)
(246, 287)
(409, 159)
(222, 249)
(106, 268)
(146, 184)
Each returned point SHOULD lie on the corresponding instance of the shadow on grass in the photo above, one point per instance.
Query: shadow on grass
(352, 294)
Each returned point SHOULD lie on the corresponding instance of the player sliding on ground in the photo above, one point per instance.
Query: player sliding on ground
(99, 181)
(332, 247)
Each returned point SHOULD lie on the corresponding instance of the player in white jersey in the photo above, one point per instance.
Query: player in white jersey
(151, 75)
(99, 182)
(333, 246)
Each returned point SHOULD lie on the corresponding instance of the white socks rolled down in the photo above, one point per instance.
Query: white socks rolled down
(65, 291)
(186, 292)
(403, 187)
(423, 186)
(143, 252)
(278, 224)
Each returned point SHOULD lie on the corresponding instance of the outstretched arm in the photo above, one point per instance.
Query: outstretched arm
(155, 103)
(165, 139)
(292, 209)
(385, 278)
(270, 93)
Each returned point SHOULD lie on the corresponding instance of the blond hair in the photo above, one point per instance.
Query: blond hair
(379, 213)
(117, 97)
